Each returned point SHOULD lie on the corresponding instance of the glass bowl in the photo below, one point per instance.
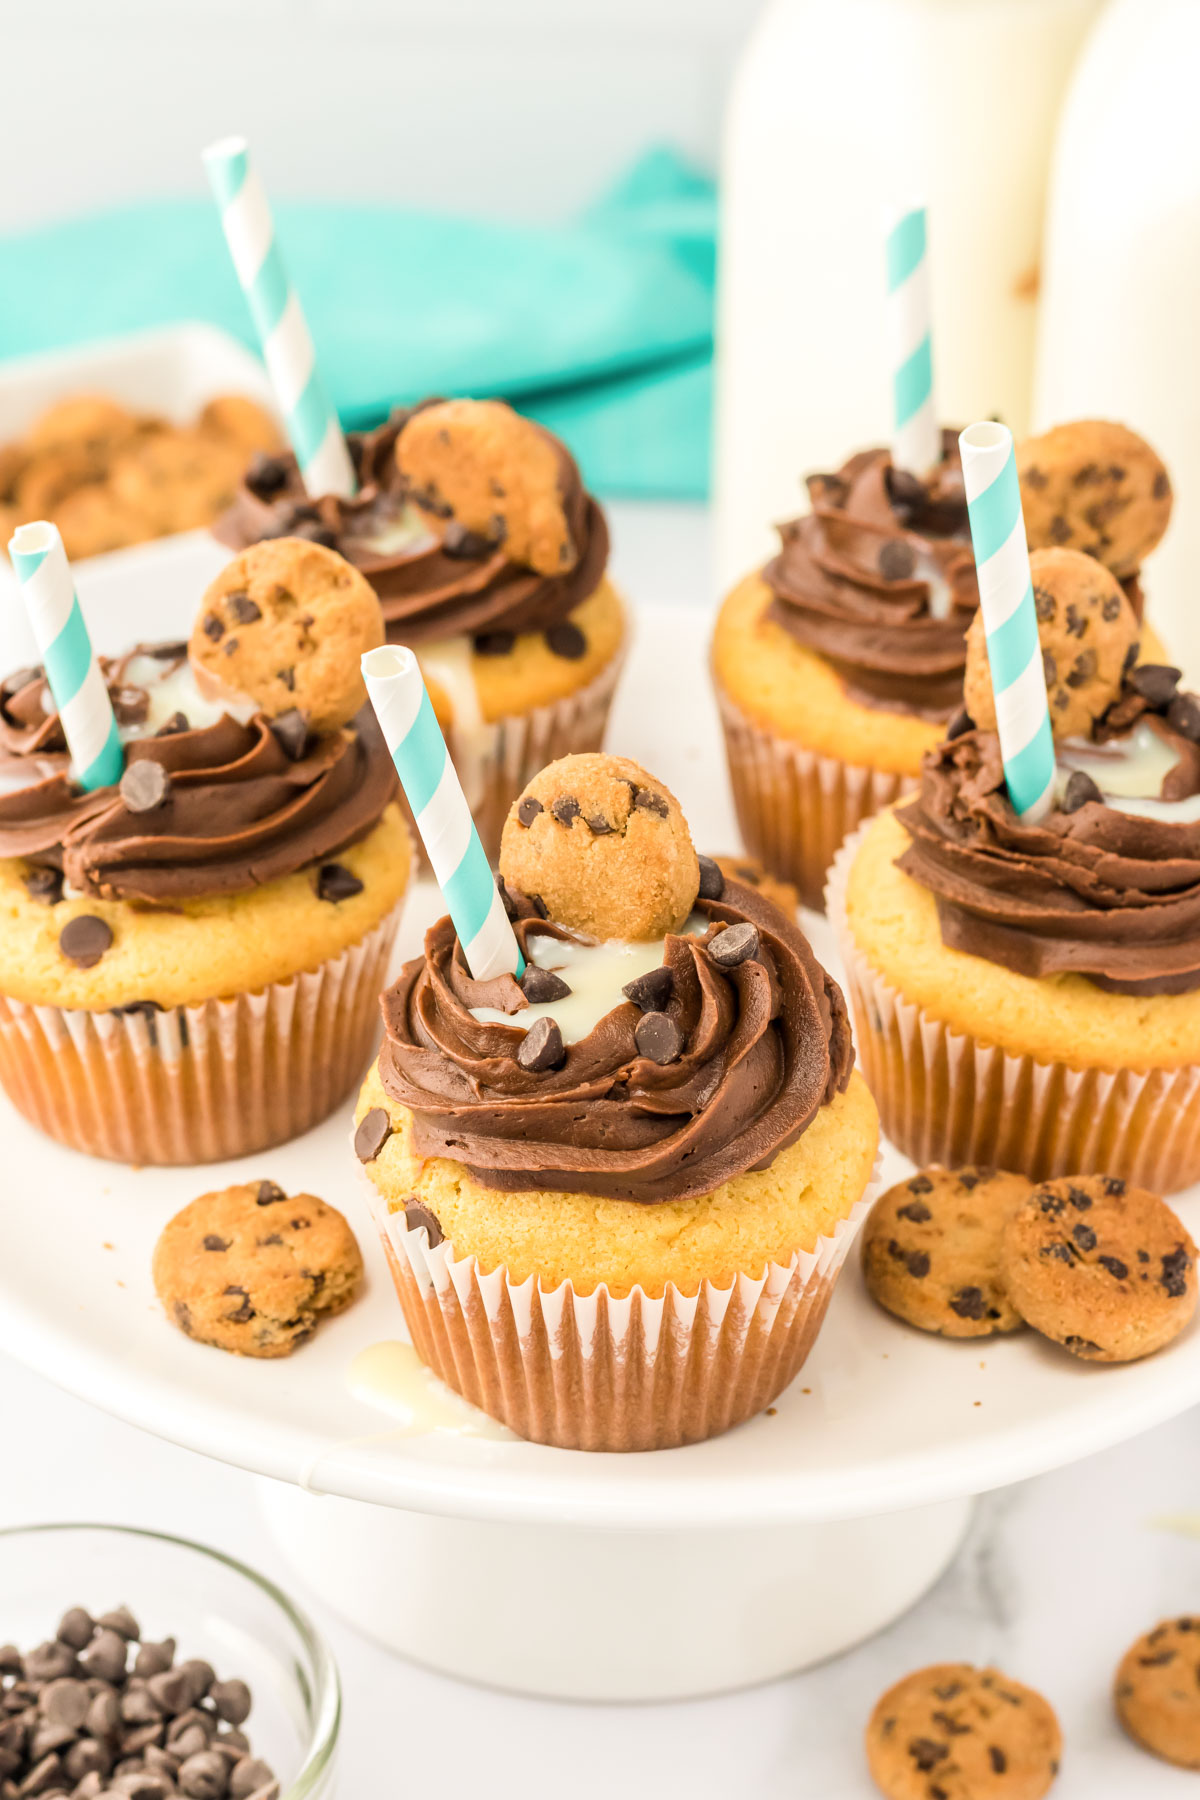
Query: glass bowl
(216, 1608)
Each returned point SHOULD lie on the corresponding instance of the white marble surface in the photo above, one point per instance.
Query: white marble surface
(1058, 1575)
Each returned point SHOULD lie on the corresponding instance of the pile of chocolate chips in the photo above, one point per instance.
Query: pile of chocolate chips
(96, 1714)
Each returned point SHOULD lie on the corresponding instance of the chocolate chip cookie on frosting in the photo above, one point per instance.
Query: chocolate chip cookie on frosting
(473, 526)
(616, 1192)
(1028, 994)
(189, 958)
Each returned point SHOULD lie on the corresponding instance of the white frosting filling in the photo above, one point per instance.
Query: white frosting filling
(405, 530)
(595, 973)
(171, 689)
(940, 594)
(1129, 773)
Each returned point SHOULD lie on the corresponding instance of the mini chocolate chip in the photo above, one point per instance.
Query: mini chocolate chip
(131, 704)
(75, 1629)
(646, 800)
(1082, 669)
(528, 810)
(457, 541)
(231, 1700)
(917, 1264)
(539, 905)
(1052, 1205)
(1060, 529)
(927, 1754)
(45, 884)
(105, 1656)
(267, 475)
(1080, 1199)
(1084, 1236)
(652, 990)
(1114, 1184)
(290, 731)
(565, 809)
(372, 1133)
(907, 491)
(288, 678)
(213, 1242)
(1162, 485)
(1156, 683)
(334, 883)
(214, 627)
(916, 1210)
(1057, 1252)
(506, 899)
(712, 880)
(177, 722)
(968, 1303)
(269, 1194)
(1175, 1267)
(241, 1314)
(416, 1216)
(542, 1047)
(896, 559)
(144, 785)
(1183, 716)
(658, 1037)
(919, 1184)
(493, 643)
(1116, 1268)
(539, 985)
(997, 1759)
(243, 609)
(84, 939)
(736, 944)
(958, 724)
(599, 826)
(316, 533)
(566, 640)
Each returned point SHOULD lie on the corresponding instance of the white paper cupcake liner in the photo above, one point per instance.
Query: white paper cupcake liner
(796, 806)
(948, 1097)
(196, 1084)
(521, 744)
(591, 1372)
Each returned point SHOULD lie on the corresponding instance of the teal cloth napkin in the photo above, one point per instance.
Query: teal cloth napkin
(601, 328)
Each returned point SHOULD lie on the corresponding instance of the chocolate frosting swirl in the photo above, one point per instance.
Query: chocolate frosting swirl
(1095, 892)
(766, 1044)
(850, 580)
(240, 810)
(426, 591)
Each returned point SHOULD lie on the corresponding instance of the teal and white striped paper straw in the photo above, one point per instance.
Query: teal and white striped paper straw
(312, 425)
(88, 721)
(430, 782)
(916, 438)
(1009, 616)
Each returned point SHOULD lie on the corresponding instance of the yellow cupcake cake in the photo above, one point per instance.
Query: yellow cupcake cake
(840, 664)
(1027, 994)
(189, 958)
(616, 1192)
(474, 528)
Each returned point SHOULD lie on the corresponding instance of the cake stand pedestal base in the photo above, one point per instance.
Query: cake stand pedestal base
(574, 1612)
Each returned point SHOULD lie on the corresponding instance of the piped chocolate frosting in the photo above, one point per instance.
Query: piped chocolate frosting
(228, 806)
(764, 1042)
(855, 580)
(1090, 890)
(428, 589)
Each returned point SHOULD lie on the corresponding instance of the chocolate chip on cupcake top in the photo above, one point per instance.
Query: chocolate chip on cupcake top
(504, 539)
(218, 795)
(697, 1038)
(1107, 886)
(879, 579)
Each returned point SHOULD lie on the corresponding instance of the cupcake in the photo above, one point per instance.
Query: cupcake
(473, 526)
(190, 959)
(615, 1195)
(1028, 994)
(839, 665)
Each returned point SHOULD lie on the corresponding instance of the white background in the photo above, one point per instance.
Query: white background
(515, 108)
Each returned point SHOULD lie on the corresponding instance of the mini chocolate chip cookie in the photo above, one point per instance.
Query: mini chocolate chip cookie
(1104, 1269)
(285, 624)
(954, 1732)
(252, 1270)
(242, 422)
(479, 465)
(604, 847)
(932, 1250)
(1088, 633)
(1157, 1692)
(745, 869)
(1094, 486)
(177, 480)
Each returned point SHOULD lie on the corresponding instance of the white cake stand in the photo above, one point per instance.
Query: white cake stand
(558, 1572)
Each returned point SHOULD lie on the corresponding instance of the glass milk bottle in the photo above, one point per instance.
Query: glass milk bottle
(838, 111)
(1119, 332)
